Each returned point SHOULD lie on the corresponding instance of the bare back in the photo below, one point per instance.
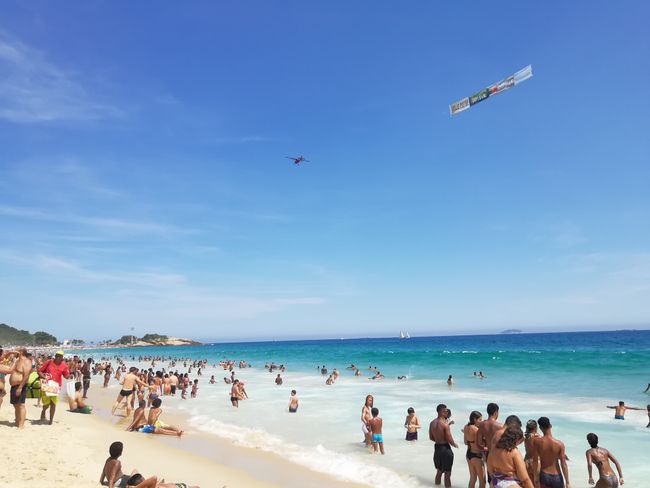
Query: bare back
(487, 430)
(550, 451)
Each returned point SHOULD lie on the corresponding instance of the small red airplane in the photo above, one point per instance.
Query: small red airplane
(298, 160)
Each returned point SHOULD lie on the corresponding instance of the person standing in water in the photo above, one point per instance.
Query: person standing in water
(529, 439)
(505, 462)
(293, 402)
(553, 472)
(620, 409)
(487, 429)
(366, 417)
(376, 424)
(474, 453)
(601, 457)
(411, 424)
(443, 456)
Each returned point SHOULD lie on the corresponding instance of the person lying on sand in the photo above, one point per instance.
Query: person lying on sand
(112, 475)
(138, 480)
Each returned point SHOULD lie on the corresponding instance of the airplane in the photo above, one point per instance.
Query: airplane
(298, 160)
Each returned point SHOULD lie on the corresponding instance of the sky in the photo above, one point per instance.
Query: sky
(144, 184)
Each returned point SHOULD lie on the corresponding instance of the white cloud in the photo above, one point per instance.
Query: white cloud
(33, 89)
(106, 223)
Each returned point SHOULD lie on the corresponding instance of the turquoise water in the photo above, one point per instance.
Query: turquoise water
(558, 362)
(569, 377)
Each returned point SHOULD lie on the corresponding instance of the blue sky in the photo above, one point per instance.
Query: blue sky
(143, 181)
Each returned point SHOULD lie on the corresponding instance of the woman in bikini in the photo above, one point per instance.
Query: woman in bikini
(600, 457)
(139, 481)
(474, 453)
(366, 417)
(529, 441)
(506, 464)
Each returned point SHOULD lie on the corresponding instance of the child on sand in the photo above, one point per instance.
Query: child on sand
(375, 427)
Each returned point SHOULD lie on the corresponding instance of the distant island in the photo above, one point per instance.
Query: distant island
(152, 340)
(17, 337)
(512, 331)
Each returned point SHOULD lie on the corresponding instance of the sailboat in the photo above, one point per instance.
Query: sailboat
(404, 335)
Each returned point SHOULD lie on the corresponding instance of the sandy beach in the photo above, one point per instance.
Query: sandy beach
(72, 451)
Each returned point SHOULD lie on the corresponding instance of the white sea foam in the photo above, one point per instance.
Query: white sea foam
(346, 467)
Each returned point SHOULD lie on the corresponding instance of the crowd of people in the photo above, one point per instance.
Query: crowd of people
(491, 449)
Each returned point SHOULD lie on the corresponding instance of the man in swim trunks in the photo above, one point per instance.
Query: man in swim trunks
(234, 394)
(443, 456)
(173, 381)
(375, 428)
(620, 409)
(18, 379)
(52, 369)
(549, 452)
(487, 429)
(130, 381)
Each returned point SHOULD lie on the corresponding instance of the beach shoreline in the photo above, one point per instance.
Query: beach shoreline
(72, 451)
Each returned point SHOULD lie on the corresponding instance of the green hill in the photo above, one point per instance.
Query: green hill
(17, 337)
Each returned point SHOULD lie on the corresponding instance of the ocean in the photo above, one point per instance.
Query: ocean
(569, 377)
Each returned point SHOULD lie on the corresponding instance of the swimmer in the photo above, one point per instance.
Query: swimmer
(450, 380)
(620, 409)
